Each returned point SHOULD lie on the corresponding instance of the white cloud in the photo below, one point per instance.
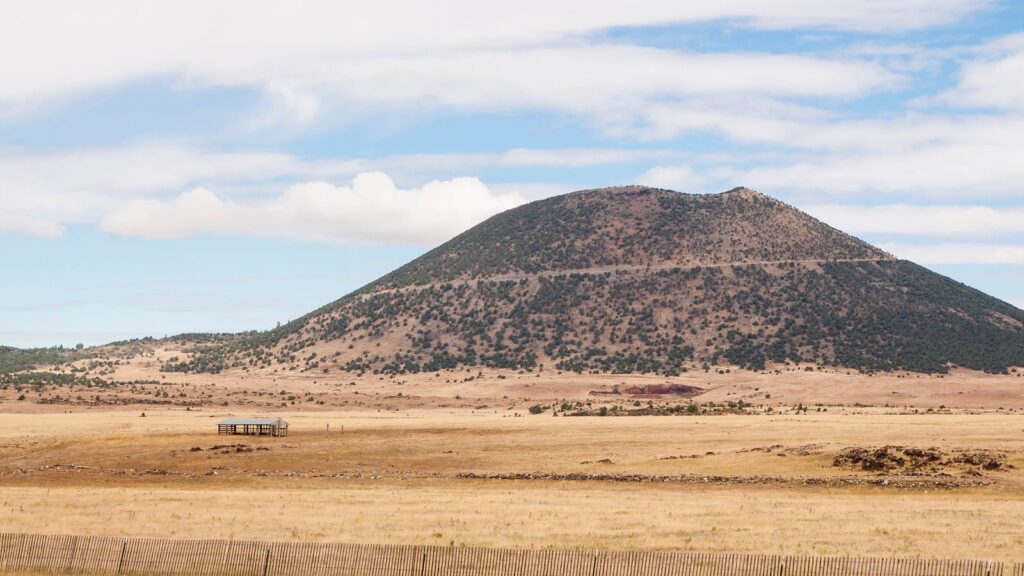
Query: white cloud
(973, 156)
(32, 226)
(535, 190)
(195, 212)
(574, 157)
(678, 178)
(604, 78)
(994, 79)
(801, 128)
(952, 156)
(143, 167)
(955, 253)
(390, 52)
(372, 209)
(945, 172)
(746, 119)
(42, 192)
(520, 158)
(905, 219)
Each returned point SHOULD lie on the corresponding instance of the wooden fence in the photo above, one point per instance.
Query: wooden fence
(98, 555)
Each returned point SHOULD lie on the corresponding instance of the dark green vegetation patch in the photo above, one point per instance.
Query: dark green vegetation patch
(17, 359)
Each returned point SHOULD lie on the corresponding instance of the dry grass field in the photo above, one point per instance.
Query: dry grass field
(456, 458)
(752, 483)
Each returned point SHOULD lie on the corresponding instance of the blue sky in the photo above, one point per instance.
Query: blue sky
(197, 167)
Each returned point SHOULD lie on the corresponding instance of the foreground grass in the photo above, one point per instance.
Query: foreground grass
(90, 474)
(869, 522)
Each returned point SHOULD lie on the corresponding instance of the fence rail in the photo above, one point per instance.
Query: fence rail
(132, 556)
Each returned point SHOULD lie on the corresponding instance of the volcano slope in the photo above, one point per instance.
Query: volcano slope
(643, 280)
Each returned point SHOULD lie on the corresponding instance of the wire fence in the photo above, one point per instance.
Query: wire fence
(102, 555)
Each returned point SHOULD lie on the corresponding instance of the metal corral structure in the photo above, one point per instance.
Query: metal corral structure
(103, 555)
(253, 427)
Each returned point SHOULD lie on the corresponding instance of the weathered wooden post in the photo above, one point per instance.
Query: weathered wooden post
(120, 562)
(71, 557)
(224, 560)
(266, 561)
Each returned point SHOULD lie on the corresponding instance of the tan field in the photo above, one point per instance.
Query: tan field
(456, 458)
(750, 483)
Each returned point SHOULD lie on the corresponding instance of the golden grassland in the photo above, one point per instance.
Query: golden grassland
(392, 477)
(978, 524)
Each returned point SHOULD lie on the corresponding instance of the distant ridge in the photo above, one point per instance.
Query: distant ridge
(638, 279)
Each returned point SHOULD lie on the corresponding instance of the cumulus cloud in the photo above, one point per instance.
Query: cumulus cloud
(906, 219)
(371, 209)
(194, 212)
(42, 192)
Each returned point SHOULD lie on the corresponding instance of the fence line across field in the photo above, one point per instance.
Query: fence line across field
(132, 556)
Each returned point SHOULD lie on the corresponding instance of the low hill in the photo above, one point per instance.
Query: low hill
(635, 279)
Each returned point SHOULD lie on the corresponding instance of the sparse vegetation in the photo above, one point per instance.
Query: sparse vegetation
(18, 359)
(644, 281)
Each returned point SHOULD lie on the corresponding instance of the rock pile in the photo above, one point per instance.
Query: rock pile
(909, 461)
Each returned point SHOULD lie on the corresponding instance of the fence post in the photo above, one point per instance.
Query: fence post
(266, 560)
(593, 565)
(782, 566)
(224, 561)
(988, 568)
(120, 561)
(74, 552)
(423, 563)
